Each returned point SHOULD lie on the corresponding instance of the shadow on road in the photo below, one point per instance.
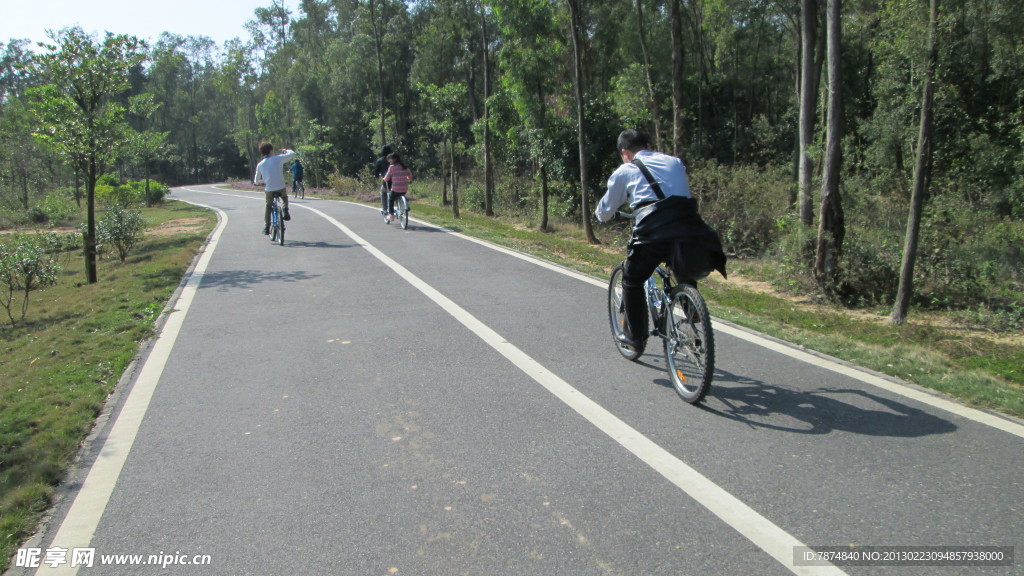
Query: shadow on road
(248, 278)
(817, 411)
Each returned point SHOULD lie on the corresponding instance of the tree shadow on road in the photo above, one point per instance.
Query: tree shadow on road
(819, 410)
(321, 244)
(228, 279)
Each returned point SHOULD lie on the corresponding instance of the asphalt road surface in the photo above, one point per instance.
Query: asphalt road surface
(371, 401)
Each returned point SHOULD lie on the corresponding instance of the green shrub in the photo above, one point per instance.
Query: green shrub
(358, 186)
(37, 215)
(793, 253)
(60, 205)
(24, 266)
(869, 271)
(150, 197)
(111, 192)
(744, 203)
(122, 229)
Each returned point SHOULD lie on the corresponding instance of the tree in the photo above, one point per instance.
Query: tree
(529, 52)
(315, 148)
(576, 23)
(24, 266)
(832, 223)
(79, 114)
(922, 175)
(810, 78)
(486, 120)
(652, 100)
(677, 78)
(444, 105)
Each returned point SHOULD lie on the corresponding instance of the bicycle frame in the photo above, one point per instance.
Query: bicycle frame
(658, 297)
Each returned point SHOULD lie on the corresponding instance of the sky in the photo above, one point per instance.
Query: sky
(220, 20)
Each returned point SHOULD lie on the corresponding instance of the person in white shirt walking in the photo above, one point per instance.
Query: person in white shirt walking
(270, 172)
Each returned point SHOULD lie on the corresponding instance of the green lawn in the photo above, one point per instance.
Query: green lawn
(58, 367)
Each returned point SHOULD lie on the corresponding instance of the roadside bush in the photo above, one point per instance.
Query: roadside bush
(24, 266)
(869, 271)
(37, 215)
(60, 205)
(122, 229)
(793, 253)
(151, 197)
(744, 203)
(362, 184)
(117, 194)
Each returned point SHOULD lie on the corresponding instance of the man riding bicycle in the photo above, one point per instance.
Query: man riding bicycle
(270, 172)
(656, 187)
(297, 170)
(380, 168)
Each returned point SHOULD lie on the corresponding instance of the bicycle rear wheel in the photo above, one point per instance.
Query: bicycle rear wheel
(277, 224)
(689, 344)
(617, 316)
(280, 227)
(403, 212)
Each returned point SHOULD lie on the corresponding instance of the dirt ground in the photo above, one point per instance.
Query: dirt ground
(179, 226)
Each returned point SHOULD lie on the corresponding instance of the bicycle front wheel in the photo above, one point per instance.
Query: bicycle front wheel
(403, 212)
(689, 344)
(617, 316)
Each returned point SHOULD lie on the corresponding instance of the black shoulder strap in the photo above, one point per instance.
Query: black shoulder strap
(650, 178)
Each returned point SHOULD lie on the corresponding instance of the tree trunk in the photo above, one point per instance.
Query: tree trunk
(922, 176)
(445, 175)
(488, 168)
(91, 176)
(544, 197)
(377, 41)
(652, 101)
(808, 105)
(576, 17)
(832, 225)
(455, 187)
(677, 78)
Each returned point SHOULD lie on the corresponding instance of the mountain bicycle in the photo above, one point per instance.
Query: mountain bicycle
(401, 211)
(680, 318)
(277, 220)
(298, 189)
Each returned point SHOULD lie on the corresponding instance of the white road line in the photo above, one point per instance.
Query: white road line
(774, 540)
(79, 526)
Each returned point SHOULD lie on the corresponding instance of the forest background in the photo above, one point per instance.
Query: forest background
(827, 140)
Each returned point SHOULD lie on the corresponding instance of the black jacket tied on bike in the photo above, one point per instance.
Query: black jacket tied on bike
(696, 247)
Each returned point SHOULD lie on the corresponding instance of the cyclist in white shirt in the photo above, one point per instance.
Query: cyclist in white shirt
(270, 172)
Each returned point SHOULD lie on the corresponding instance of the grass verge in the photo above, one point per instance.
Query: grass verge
(58, 367)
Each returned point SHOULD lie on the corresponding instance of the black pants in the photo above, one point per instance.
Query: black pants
(641, 260)
(384, 191)
(392, 198)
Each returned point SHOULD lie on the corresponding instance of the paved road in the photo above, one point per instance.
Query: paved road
(371, 401)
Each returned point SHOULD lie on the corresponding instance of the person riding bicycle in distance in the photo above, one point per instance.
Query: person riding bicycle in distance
(297, 170)
(398, 178)
(380, 168)
(270, 171)
(665, 212)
